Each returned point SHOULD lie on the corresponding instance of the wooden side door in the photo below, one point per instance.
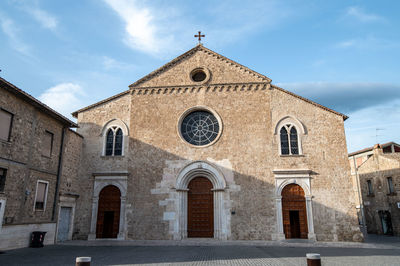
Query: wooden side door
(293, 201)
(108, 212)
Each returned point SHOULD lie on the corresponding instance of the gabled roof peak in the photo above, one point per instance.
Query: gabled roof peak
(198, 47)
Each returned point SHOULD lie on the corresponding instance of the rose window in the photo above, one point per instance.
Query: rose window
(200, 128)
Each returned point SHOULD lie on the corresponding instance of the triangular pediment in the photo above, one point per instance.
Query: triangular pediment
(219, 70)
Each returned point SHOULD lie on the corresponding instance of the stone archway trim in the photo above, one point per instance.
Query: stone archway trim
(302, 178)
(102, 180)
(204, 169)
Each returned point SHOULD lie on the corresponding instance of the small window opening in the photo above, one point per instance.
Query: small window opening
(41, 193)
(3, 173)
(370, 188)
(390, 185)
(198, 75)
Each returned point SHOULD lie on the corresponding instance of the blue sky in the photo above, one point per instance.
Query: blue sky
(342, 54)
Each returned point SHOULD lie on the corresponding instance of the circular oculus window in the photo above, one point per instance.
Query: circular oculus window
(200, 75)
(200, 128)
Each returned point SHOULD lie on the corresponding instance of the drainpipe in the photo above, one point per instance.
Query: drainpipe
(364, 225)
(60, 157)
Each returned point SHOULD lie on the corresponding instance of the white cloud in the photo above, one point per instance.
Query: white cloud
(64, 98)
(11, 30)
(44, 18)
(143, 33)
(359, 14)
(161, 28)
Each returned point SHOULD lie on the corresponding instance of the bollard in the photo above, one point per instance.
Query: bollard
(313, 259)
(83, 261)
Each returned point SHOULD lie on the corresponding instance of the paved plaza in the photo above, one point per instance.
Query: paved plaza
(202, 252)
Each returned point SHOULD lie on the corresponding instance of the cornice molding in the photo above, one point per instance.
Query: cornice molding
(234, 87)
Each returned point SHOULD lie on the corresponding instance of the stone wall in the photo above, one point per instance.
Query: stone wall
(23, 158)
(377, 169)
(25, 164)
(247, 152)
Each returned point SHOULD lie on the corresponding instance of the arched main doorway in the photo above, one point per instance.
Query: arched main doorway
(108, 212)
(200, 208)
(294, 212)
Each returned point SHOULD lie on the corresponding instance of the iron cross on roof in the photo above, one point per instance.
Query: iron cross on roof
(199, 36)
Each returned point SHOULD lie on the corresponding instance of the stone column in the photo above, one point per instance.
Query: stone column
(280, 235)
(95, 205)
(182, 214)
(219, 215)
(121, 233)
(310, 218)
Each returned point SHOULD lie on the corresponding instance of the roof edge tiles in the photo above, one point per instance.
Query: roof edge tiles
(4, 84)
(384, 145)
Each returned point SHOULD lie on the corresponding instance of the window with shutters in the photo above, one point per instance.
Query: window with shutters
(41, 195)
(6, 119)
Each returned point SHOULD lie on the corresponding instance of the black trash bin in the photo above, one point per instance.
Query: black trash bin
(37, 239)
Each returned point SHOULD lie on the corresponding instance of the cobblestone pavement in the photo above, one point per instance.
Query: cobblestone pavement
(200, 255)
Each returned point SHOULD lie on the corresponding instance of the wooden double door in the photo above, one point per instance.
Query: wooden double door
(108, 212)
(294, 212)
(200, 208)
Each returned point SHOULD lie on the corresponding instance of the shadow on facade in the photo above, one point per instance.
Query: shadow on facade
(248, 201)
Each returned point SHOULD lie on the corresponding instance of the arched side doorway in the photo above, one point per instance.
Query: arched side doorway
(200, 208)
(294, 212)
(102, 180)
(108, 213)
(301, 178)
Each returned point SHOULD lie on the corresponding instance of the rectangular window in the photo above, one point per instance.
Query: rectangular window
(3, 173)
(390, 185)
(41, 195)
(370, 189)
(47, 143)
(6, 119)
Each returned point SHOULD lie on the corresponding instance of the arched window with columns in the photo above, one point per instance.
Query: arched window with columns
(289, 140)
(115, 134)
(290, 133)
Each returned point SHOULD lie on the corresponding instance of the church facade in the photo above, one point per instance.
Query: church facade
(205, 147)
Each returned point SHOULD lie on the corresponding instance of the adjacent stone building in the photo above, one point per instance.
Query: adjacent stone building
(205, 147)
(376, 177)
(39, 159)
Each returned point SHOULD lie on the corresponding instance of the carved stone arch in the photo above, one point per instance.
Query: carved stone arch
(290, 120)
(301, 183)
(99, 187)
(115, 122)
(301, 177)
(199, 168)
(298, 125)
(221, 214)
(118, 123)
(102, 180)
